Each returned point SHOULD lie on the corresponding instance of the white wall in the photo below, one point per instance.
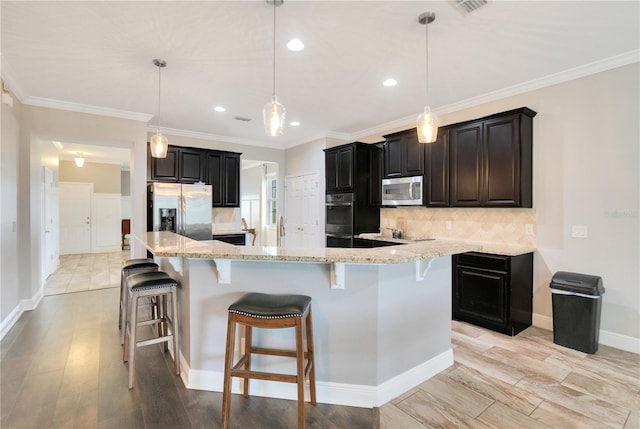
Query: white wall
(9, 273)
(586, 164)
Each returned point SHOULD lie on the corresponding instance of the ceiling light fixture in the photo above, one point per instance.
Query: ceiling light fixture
(159, 142)
(273, 112)
(295, 45)
(294, 123)
(79, 159)
(390, 82)
(427, 124)
(220, 109)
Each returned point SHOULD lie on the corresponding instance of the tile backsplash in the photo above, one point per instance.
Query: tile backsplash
(491, 225)
(225, 219)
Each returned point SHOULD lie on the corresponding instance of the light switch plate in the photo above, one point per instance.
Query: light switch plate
(579, 231)
(528, 228)
(447, 224)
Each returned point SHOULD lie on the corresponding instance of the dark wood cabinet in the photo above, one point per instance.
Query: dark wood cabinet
(436, 176)
(403, 154)
(491, 161)
(237, 239)
(224, 177)
(339, 169)
(163, 169)
(354, 166)
(493, 291)
(220, 169)
(364, 243)
(192, 165)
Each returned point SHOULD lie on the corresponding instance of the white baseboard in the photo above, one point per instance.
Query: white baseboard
(611, 339)
(354, 395)
(24, 305)
(619, 341)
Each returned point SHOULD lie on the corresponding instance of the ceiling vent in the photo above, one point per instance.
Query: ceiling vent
(469, 6)
(241, 118)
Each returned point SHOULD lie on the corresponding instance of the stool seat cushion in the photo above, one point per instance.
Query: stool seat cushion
(139, 263)
(271, 306)
(150, 280)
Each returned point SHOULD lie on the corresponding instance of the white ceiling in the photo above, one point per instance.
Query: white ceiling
(97, 56)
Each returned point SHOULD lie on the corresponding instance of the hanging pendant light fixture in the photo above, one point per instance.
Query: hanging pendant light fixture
(159, 142)
(79, 159)
(427, 124)
(273, 112)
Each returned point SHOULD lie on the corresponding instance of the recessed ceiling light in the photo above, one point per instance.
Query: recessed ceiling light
(219, 109)
(390, 82)
(294, 123)
(295, 45)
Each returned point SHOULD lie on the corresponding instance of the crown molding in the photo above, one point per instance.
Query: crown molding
(595, 67)
(7, 77)
(85, 108)
(215, 137)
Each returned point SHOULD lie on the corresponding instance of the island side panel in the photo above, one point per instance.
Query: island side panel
(344, 321)
(414, 319)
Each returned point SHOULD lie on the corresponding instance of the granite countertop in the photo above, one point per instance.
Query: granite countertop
(168, 244)
(494, 248)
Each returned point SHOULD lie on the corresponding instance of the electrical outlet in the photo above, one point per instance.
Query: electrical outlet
(579, 231)
(528, 229)
(447, 225)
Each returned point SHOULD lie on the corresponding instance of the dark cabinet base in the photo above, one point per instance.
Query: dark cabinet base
(237, 239)
(493, 291)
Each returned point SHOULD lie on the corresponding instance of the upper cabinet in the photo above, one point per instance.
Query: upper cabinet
(339, 169)
(403, 155)
(355, 167)
(189, 165)
(163, 169)
(491, 161)
(436, 177)
(224, 177)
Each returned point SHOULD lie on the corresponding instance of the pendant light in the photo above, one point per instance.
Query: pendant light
(79, 159)
(427, 126)
(159, 143)
(273, 112)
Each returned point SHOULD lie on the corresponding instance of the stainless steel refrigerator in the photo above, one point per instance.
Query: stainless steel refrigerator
(181, 208)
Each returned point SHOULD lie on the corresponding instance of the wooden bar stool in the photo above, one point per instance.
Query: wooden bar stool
(151, 284)
(131, 266)
(267, 311)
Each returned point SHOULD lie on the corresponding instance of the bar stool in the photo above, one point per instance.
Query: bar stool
(160, 285)
(131, 266)
(267, 311)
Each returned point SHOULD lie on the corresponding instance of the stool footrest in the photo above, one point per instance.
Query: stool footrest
(272, 352)
(236, 372)
(154, 340)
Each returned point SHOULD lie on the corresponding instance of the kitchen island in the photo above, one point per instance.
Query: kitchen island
(382, 317)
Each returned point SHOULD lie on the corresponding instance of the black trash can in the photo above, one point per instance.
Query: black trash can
(577, 300)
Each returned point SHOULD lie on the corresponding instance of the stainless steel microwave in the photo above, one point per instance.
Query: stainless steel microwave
(402, 191)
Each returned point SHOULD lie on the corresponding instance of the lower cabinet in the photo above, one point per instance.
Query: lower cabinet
(238, 239)
(493, 291)
(364, 243)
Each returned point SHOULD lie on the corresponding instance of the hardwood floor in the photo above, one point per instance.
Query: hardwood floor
(62, 368)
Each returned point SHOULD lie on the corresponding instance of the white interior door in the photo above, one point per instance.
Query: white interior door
(106, 224)
(75, 217)
(302, 207)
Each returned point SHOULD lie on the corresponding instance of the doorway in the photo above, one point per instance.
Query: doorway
(75, 217)
(259, 199)
(302, 220)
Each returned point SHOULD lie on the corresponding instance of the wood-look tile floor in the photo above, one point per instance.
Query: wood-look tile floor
(84, 272)
(62, 368)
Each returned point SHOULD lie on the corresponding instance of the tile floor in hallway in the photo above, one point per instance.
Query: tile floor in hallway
(84, 272)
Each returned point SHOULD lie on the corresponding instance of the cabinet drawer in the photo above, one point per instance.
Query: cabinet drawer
(484, 260)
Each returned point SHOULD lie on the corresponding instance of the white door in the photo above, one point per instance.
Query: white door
(75, 217)
(302, 207)
(106, 231)
(50, 219)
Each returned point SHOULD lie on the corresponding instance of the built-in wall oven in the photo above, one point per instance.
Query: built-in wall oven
(339, 220)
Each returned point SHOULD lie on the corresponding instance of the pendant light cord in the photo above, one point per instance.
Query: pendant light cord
(426, 24)
(274, 48)
(159, 84)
